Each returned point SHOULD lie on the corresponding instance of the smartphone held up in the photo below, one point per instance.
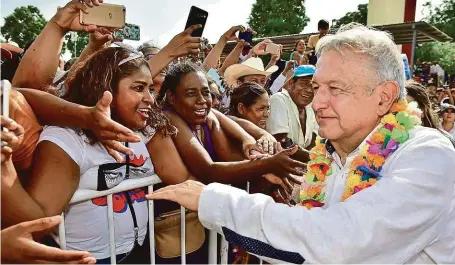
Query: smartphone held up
(273, 49)
(104, 15)
(197, 16)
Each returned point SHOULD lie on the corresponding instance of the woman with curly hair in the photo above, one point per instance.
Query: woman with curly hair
(72, 158)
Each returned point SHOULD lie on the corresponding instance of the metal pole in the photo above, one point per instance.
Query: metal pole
(183, 234)
(414, 43)
(110, 225)
(151, 228)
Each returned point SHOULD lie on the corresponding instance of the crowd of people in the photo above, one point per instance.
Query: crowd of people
(189, 116)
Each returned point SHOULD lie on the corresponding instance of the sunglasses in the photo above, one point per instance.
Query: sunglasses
(449, 111)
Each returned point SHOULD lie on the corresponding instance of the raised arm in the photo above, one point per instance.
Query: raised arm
(182, 44)
(39, 64)
(52, 110)
(211, 61)
(97, 40)
(233, 56)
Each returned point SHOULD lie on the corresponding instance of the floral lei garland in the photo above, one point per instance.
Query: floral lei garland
(365, 168)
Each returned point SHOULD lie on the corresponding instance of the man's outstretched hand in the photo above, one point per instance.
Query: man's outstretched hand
(186, 194)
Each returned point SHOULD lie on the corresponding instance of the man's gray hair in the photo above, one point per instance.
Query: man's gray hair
(385, 60)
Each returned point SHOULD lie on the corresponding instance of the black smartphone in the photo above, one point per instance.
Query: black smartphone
(247, 36)
(197, 16)
(288, 143)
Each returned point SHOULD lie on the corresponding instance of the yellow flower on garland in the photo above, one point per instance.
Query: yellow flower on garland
(364, 150)
(352, 181)
(401, 105)
(389, 119)
(378, 137)
(318, 150)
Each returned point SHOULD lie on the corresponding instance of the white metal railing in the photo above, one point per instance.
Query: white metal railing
(85, 195)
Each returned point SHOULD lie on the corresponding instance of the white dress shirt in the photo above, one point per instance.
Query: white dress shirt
(406, 217)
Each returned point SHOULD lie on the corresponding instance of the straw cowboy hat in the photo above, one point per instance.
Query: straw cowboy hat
(251, 66)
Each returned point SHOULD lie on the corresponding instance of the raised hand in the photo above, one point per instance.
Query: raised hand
(10, 138)
(183, 43)
(18, 245)
(109, 132)
(67, 17)
(99, 37)
(259, 49)
(230, 34)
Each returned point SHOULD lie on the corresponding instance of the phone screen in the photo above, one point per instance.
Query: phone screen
(247, 36)
(197, 16)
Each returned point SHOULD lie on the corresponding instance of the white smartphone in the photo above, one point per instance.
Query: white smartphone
(6, 87)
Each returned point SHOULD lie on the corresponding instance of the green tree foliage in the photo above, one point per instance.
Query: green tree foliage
(23, 25)
(278, 17)
(80, 43)
(359, 16)
(443, 17)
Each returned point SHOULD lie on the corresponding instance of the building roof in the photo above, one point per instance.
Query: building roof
(401, 32)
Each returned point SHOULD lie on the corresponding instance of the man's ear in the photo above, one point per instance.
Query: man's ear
(388, 93)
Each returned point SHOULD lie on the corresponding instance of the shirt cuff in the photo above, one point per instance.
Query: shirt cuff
(211, 203)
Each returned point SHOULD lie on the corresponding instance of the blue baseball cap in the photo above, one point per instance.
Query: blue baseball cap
(304, 70)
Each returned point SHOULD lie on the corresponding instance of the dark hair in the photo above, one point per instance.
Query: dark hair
(247, 94)
(147, 47)
(323, 24)
(297, 43)
(174, 76)
(101, 72)
(418, 92)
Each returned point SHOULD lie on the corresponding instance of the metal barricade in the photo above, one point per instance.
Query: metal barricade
(85, 195)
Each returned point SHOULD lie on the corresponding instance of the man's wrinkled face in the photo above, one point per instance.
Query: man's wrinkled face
(342, 104)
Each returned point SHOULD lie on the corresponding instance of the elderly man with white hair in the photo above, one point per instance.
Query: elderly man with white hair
(379, 188)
